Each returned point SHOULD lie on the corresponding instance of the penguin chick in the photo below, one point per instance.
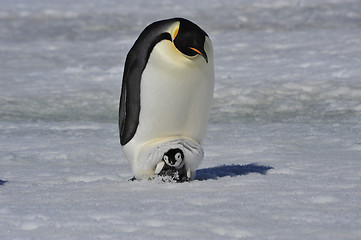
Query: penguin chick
(173, 165)
(174, 158)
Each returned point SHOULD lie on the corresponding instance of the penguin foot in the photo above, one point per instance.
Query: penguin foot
(132, 179)
(166, 176)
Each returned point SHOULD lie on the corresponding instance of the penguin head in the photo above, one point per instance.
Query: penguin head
(189, 39)
(174, 157)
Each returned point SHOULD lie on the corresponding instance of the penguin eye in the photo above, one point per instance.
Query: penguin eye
(165, 158)
(178, 156)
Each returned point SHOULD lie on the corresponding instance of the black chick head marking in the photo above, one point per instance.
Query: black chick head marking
(174, 157)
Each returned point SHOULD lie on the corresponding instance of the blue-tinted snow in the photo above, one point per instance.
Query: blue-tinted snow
(283, 149)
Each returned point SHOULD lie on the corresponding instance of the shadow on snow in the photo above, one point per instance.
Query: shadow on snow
(2, 182)
(230, 171)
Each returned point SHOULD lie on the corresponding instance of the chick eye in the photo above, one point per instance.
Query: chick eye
(165, 158)
(178, 156)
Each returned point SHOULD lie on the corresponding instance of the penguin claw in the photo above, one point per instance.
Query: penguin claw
(136, 179)
(132, 179)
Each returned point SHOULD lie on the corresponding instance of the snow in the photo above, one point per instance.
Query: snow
(283, 147)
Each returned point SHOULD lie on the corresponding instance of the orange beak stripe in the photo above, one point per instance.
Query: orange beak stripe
(196, 50)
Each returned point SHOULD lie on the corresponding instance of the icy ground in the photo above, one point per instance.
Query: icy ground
(283, 149)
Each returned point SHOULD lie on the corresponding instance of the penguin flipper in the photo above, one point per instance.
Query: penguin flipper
(159, 167)
(129, 105)
(135, 63)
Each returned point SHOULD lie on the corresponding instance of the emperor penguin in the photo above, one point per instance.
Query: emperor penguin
(166, 95)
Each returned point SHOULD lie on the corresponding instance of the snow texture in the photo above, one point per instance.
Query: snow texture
(283, 147)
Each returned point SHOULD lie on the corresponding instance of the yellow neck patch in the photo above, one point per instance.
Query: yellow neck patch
(175, 33)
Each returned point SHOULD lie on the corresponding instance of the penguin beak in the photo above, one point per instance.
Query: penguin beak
(200, 52)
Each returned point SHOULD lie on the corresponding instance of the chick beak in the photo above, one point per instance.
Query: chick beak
(200, 52)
